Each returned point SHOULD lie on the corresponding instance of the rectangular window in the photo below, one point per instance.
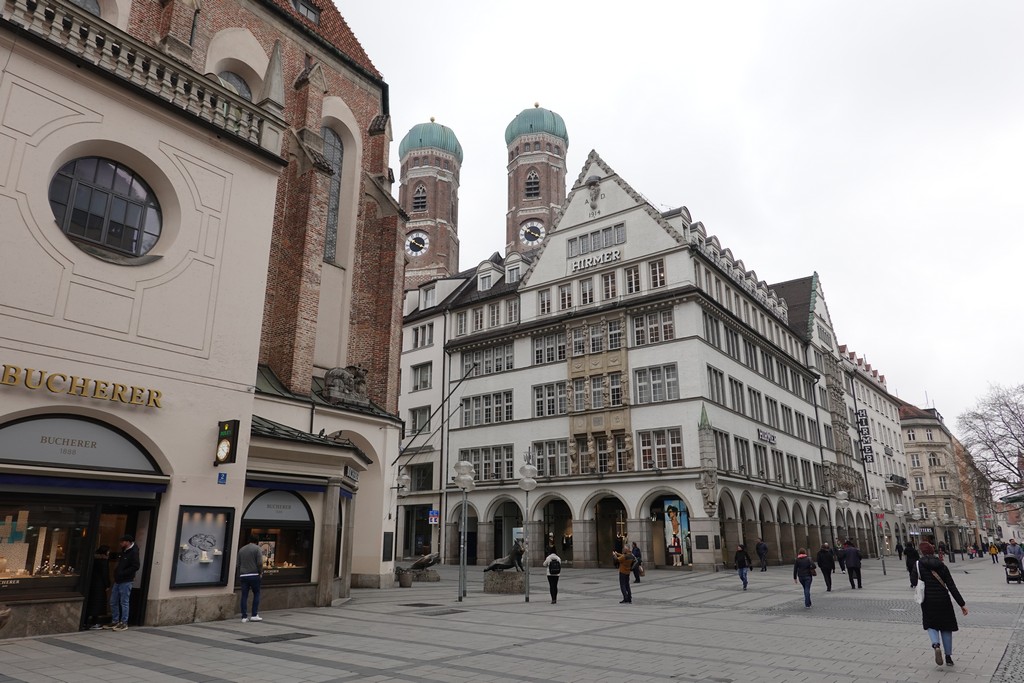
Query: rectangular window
(783, 373)
(801, 426)
(787, 420)
(915, 460)
(460, 323)
(548, 349)
(656, 384)
(597, 392)
(632, 280)
(610, 285)
(579, 394)
(586, 292)
(488, 361)
(661, 448)
(423, 335)
(723, 451)
(494, 315)
(756, 408)
(652, 328)
(711, 330)
(716, 385)
(768, 365)
(773, 412)
(919, 483)
(742, 455)
(512, 310)
(549, 399)
(564, 297)
(597, 338)
(551, 458)
(943, 483)
(761, 461)
(750, 355)
(621, 454)
(478, 319)
(794, 469)
(579, 341)
(614, 335)
(777, 463)
(512, 275)
(805, 473)
(487, 409)
(419, 420)
(823, 397)
(602, 454)
(657, 272)
(421, 376)
(830, 441)
(732, 343)
(911, 435)
(812, 428)
(485, 281)
(544, 301)
(736, 393)
(615, 389)
(928, 435)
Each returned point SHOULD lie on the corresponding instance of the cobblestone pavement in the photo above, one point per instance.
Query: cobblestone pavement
(682, 626)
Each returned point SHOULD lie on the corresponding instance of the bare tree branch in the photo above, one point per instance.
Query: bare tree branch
(993, 431)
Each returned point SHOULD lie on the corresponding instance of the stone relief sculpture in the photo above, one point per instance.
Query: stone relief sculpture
(346, 384)
(594, 186)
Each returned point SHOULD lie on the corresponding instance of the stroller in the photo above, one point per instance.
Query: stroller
(1012, 567)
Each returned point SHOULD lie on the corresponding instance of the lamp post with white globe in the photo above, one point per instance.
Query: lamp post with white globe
(876, 508)
(527, 482)
(464, 480)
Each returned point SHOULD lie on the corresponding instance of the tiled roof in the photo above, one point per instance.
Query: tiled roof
(797, 294)
(333, 28)
(269, 429)
(268, 383)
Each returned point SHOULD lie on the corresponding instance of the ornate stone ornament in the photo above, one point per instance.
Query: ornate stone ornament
(346, 385)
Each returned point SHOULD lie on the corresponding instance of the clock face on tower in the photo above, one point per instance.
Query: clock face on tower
(417, 243)
(531, 233)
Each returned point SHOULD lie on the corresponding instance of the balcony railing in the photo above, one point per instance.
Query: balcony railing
(87, 38)
(896, 481)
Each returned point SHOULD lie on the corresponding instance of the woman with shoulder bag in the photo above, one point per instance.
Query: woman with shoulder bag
(937, 613)
(804, 573)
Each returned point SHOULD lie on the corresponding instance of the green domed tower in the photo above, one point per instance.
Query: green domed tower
(431, 159)
(537, 143)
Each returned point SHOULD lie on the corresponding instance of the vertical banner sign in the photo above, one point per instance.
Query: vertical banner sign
(867, 451)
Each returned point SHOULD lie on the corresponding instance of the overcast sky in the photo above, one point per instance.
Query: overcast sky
(878, 143)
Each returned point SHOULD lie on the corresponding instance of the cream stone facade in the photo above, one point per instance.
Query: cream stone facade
(151, 381)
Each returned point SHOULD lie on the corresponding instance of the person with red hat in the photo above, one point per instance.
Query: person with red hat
(937, 614)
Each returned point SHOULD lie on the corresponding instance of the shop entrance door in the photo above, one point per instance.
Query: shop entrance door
(116, 520)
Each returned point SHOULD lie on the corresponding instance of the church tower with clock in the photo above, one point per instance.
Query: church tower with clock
(537, 144)
(431, 160)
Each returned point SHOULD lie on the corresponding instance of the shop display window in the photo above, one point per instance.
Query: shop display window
(203, 542)
(283, 523)
(43, 548)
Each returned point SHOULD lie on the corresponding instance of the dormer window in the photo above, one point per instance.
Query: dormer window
(419, 199)
(308, 10)
(484, 281)
(532, 185)
(429, 297)
(512, 274)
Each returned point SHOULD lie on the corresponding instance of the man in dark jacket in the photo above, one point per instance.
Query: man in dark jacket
(827, 564)
(124, 577)
(852, 557)
(742, 563)
(912, 557)
(762, 553)
(899, 549)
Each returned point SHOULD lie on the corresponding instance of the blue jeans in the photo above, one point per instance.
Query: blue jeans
(947, 639)
(250, 583)
(119, 596)
(805, 581)
(743, 575)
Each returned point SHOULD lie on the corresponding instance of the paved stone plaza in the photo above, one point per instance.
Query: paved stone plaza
(680, 627)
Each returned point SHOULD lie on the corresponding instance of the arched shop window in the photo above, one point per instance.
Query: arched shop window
(283, 523)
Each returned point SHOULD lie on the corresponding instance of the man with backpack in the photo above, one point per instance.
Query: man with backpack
(554, 566)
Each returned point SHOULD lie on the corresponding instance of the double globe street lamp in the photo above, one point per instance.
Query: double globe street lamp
(527, 483)
(464, 480)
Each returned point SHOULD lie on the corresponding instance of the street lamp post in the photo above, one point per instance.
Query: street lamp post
(899, 517)
(464, 480)
(948, 521)
(916, 514)
(842, 503)
(527, 483)
(876, 507)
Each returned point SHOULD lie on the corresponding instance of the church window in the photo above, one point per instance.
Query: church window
(536, 147)
(101, 203)
(446, 164)
(308, 10)
(415, 162)
(334, 152)
(419, 198)
(532, 185)
(558, 150)
(236, 83)
(549, 147)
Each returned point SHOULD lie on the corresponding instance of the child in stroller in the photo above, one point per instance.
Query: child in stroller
(1011, 565)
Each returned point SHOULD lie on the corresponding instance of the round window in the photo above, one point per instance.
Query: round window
(104, 203)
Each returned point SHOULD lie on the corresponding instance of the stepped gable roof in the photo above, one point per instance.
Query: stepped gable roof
(332, 28)
(799, 296)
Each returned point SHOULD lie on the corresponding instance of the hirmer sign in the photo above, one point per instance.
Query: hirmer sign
(591, 261)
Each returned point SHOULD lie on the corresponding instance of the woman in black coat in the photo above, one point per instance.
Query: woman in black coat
(827, 564)
(937, 613)
(912, 557)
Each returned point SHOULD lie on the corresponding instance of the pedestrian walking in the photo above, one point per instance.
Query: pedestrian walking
(899, 549)
(912, 557)
(1015, 550)
(742, 563)
(937, 614)
(762, 554)
(124, 576)
(803, 573)
(250, 574)
(625, 561)
(637, 559)
(827, 564)
(852, 556)
(554, 569)
(993, 550)
(840, 554)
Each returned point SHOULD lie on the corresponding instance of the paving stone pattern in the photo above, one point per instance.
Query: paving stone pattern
(682, 626)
